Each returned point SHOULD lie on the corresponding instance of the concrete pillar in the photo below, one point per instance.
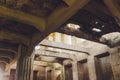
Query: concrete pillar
(63, 72)
(115, 63)
(24, 69)
(2, 70)
(46, 72)
(92, 68)
(75, 70)
(2, 66)
(53, 74)
(7, 75)
(68, 69)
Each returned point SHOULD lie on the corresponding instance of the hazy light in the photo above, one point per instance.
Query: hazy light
(96, 30)
(37, 47)
(82, 40)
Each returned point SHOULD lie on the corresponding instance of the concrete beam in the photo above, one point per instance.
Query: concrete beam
(9, 50)
(114, 7)
(97, 8)
(69, 2)
(36, 65)
(53, 53)
(59, 16)
(23, 17)
(14, 37)
(64, 46)
(62, 14)
(42, 63)
(5, 60)
(95, 49)
(2, 61)
(77, 33)
(6, 56)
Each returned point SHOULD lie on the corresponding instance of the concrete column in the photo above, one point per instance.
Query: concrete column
(46, 72)
(53, 74)
(24, 69)
(2, 66)
(75, 70)
(2, 70)
(115, 63)
(92, 68)
(63, 72)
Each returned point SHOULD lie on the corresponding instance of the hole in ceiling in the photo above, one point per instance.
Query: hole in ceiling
(37, 47)
(74, 26)
(96, 30)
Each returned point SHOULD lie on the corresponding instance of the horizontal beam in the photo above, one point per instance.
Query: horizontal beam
(5, 60)
(97, 8)
(58, 17)
(62, 14)
(77, 33)
(69, 2)
(63, 46)
(37, 22)
(42, 63)
(114, 7)
(7, 35)
(53, 53)
(36, 65)
(95, 49)
(2, 61)
(9, 50)
(5, 55)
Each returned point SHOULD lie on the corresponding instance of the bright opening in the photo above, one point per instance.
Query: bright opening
(82, 40)
(37, 47)
(74, 26)
(96, 30)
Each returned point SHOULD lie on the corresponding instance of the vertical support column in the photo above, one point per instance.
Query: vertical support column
(63, 72)
(2, 66)
(46, 72)
(2, 70)
(115, 63)
(92, 68)
(75, 70)
(53, 74)
(24, 65)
